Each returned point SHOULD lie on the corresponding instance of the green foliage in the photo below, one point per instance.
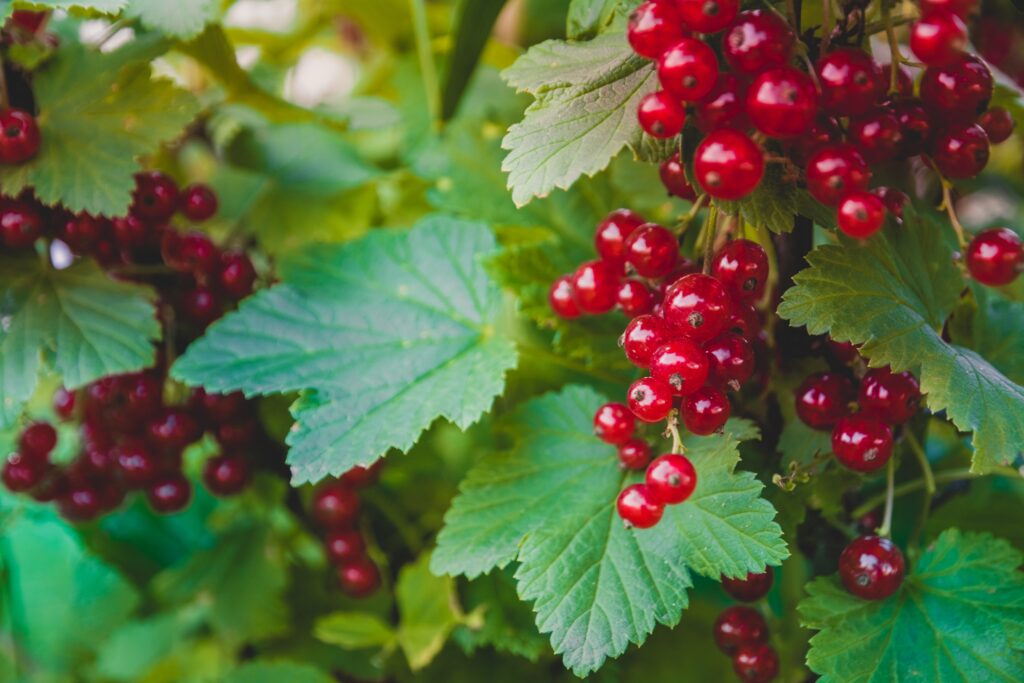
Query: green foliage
(106, 6)
(276, 672)
(180, 19)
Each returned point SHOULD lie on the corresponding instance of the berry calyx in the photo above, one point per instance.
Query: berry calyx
(155, 198)
(705, 411)
(742, 266)
(671, 478)
(198, 202)
(613, 423)
(698, 306)
(19, 136)
(961, 151)
(652, 251)
(871, 567)
(862, 443)
(728, 164)
(890, 396)
(782, 102)
(707, 16)
(995, 257)
(758, 663)
(681, 364)
(610, 236)
(650, 400)
(688, 69)
(638, 507)
(738, 626)
(170, 493)
(344, 546)
(359, 578)
(730, 360)
(661, 115)
(749, 588)
(562, 299)
(851, 82)
(756, 40)
(226, 475)
(822, 399)
(938, 38)
(643, 336)
(861, 214)
(594, 286)
(335, 506)
(653, 28)
(835, 171)
(634, 454)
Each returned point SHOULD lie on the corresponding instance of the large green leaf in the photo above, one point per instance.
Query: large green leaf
(959, 617)
(892, 297)
(383, 336)
(994, 327)
(181, 19)
(98, 113)
(426, 608)
(85, 324)
(596, 585)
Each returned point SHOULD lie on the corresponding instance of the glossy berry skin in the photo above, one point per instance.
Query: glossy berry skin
(37, 440)
(750, 588)
(893, 397)
(237, 275)
(155, 198)
(756, 40)
(938, 38)
(638, 508)
(237, 434)
(344, 546)
(871, 567)
(19, 136)
(822, 399)
(335, 506)
(688, 69)
(562, 300)
(198, 202)
(173, 430)
(359, 578)
(22, 473)
(698, 306)
(643, 336)
(877, 135)
(893, 199)
(170, 493)
(851, 82)
(961, 151)
(724, 106)
(652, 251)
(862, 443)
(782, 102)
(728, 164)
(64, 402)
(137, 464)
(21, 223)
(82, 232)
(653, 28)
(661, 115)
(610, 236)
(80, 503)
(226, 475)
(742, 266)
(738, 626)
(860, 214)
(835, 171)
(613, 423)
(744, 320)
(190, 252)
(673, 177)
(594, 287)
(200, 306)
(634, 298)
(995, 257)
(730, 360)
(650, 399)
(634, 454)
(360, 477)
(671, 479)
(681, 364)
(707, 16)
(961, 8)
(130, 232)
(958, 91)
(758, 663)
(705, 411)
(915, 125)
(997, 124)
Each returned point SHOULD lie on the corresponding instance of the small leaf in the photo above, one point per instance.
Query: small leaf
(994, 327)
(181, 19)
(507, 621)
(425, 607)
(354, 630)
(773, 204)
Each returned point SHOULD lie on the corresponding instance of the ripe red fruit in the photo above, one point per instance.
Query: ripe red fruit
(961, 151)
(237, 434)
(594, 286)
(344, 546)
(29, 22)
(80, 503)
(198, 202)
(890, 396)
(835, 171)
(877, 135)
(893, 199)
(757, 663)
(653, 28)
(782, 102)
(142, 394)
(724, 106)
(688, 69)
(562, 299)
(21, 472)
(744, 320)
(961, 8)
(237, 274)
(707, 16)
(671, 479)
(220, 408)
(360, 477)
(650, 399)
(136, 463)
(200, 305)
(637, 507)
(170, 493)
(862, 443)
(871, 567)
(173, 430)
(661, 115)
(64, 403)
(998, 124)
(634, 298)
(995, 257)
(698, 306)
(643, 336)
(904, 81)
(705, 411)
(751, 587)
(681, 364)
(20, 139)
(190, 252)
(822, 399)
(915, 124)
(730, 360)
(610, 236)
(652, 251)
(824, 132)
(634, 454)
(21, 223)
(359, 578)
(742, 266)
(81, 232)
(335, 506)
(155, 198)
(728, 164)
(861, 214)
(226, 475)
(673, 177)
(938, 38)
(738, 626)
(758, 39)
(851, 81)
(958, 91)
(130, 232)
(613, 423)
(37, 440)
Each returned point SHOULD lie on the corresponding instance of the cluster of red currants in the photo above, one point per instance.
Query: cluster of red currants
(741, 631)
(335, 507)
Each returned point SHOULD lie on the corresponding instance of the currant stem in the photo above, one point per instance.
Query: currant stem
(895, 56)
(673, 428)
(947, 204)
(922, 460)
(708, 234)
(943, 477)
(826, 24)
(684, 223)
(890, 487)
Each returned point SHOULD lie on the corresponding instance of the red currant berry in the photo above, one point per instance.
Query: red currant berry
(705, 411)
(360, 477)
(995, 257)
(835, 171)
(681, 364)
(344, 546)
(744, 320)
(890, 396)
(198, 202)
(638, 508)
(730, 360)
(20, 139)
(757, 663)
(961, 8)
(915, 125)
(155, 198)
(595, 285)
(671, 479)
(192, 251)
(673, 177)
(893, 199)
(961, 151)
(688, 69)
(130, 232)
(562, 300)
(957, 92)
(200, 305)
(143, 395)
(634, 298)
(237, 275)
(335, 506)
(29, 22)
(81, 232)
(64, 403)
(861, 214)
(38, 440)
(237, 434)
(359, 578)
(643, 336)
(80, 503)
(660, 115)
(170, 493)
(742, 266)
(782, 102)
(822, 399)
(938, 38)
(220, 408)
(698, 306)
(683, 268)
(173, 430)
(738, 626)
(824, 132)
(862, 443)
(137, 464)
(728, 164)
(851, 81)
(724, 106)
(871, 567)
(21, 472)
(749, 588)
(758, 39)
(844, 352)
(998, 124)
(21, 223)
(707, 16)
(877, 135)
(634, 454)
(226, 475)
(652, 251)
(650, 399)
(613, 423)
(110, 494)
(611, 234)
(653, 28)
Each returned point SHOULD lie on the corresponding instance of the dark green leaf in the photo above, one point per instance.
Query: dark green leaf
(474, 20)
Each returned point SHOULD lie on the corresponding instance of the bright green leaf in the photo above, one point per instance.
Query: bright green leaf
(507, 621)
(181, 19)
(278, 672)
(773, 204)
(995, 329)
(354, 630)
(425, 607)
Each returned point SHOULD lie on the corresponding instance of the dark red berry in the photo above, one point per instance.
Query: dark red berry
(680, 363)
(938, 38)
(335, 506)
(634, 298)
(683, 268)
(758, 663)
(742, 266)
(130, 232)
(671, 479)
(661, 115)
(844, 352)
(890, 396)
(728, 164)
(359, 578)
(698, 306)
(782, 102)
(650, 399)
(29, 22)
(360, 477)
(80, 503)
(998, 124)
(237, 275)
(173, 430)
(81, 232)
(21, 223)
(610, 236)
(155, 198)
(198, 202)
(824, 132)
(749, 588)
(835, 171)
(738, 626)
(758, 39)
(653, 28)
(136, 463)
(344, 546)
(220, 408)
(877, 135)
(170, 493)
(730, 360)
(915, 124)
(744, 320)
(643, 336)
(861, 214)
(958, 91)
(20, 139)
(226, 475)
(673, 177)
(238, 433)
(851, 81)
(638, 508)
(595, 285)
(613, 423)
(961, 151)
(688, 69)
(200, 305)
(143, 396)
(961, 8)
(634, 454)
(822, 399)
(995, 257)
(64, 403)
(871, 567)
(110, 494)
(21, 472)
(707, 16)
(562, 300)
(893, 199)
(725, 106)
(37, 440)
(652, 251)
(705, 411)
(193, 251)
(862, 443)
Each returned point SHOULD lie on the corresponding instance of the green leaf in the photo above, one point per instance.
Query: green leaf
(384, 336)
(959, 616)
(181, 19)
(550, 504)
(773, 204)
(587, 18)
(425, 604)
(135, 648)
(507, 621)
(474, 20)
(584, 114)
(354, 630)
(105, 6)
(892, 297)
(98, 113)
(278, 672)
(84, 323)
(994, 327)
